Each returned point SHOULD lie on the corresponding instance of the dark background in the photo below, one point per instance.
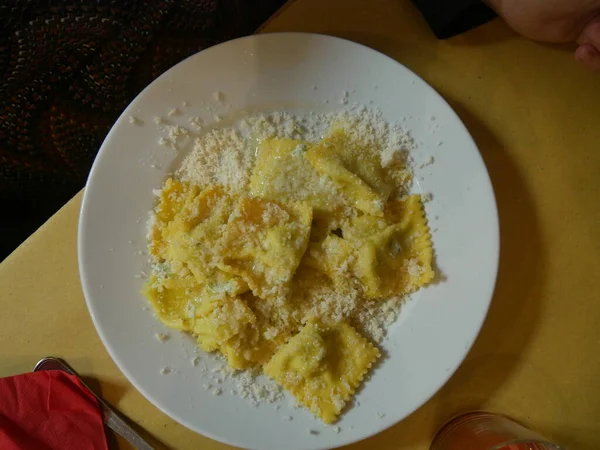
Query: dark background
(68, 69)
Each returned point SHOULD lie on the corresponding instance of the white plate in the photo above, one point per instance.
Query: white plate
(289, 71)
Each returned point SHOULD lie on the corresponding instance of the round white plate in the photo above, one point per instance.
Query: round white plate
(289, 71)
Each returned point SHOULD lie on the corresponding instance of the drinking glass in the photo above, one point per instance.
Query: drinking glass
(481, 430)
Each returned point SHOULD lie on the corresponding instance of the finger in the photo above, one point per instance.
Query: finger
(591, 34)
(589, 56)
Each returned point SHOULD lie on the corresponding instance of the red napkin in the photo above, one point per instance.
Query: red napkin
(49, 410)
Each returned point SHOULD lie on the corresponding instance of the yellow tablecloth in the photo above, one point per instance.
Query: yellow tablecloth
(535, 116)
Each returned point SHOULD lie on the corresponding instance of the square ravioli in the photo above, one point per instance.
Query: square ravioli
(172, 197)
(333, 256)
(191, 237)
(179, 300)
(398, 260)
(220, 322)
(354, 169)
(264, 243)
(322, 366)
(283, 173)
(172, 299)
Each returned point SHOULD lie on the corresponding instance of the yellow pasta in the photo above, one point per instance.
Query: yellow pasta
(332, 256)
(356, 171)
(171, 299)
(227, 319)
(322, 366)
(357, 229)
(257, 278)
(264, 243)
(389, 255)
(250, 348)
(257, 341)
(282, 173)
(398, 259)
(173, 196)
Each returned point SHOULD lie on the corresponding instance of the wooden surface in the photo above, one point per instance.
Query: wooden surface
(535, 116)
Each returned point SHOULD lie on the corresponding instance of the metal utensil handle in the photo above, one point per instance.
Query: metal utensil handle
(110, 416)
(120, 426)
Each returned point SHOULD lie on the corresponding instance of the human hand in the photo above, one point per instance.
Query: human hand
(558, 21)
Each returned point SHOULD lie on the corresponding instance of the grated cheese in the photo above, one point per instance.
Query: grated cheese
(166, 143)
(220, 157)
(196, 122)
(225, 156)
(162, 337)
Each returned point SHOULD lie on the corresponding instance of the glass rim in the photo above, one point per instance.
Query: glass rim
(541, 441)
(456, 416)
